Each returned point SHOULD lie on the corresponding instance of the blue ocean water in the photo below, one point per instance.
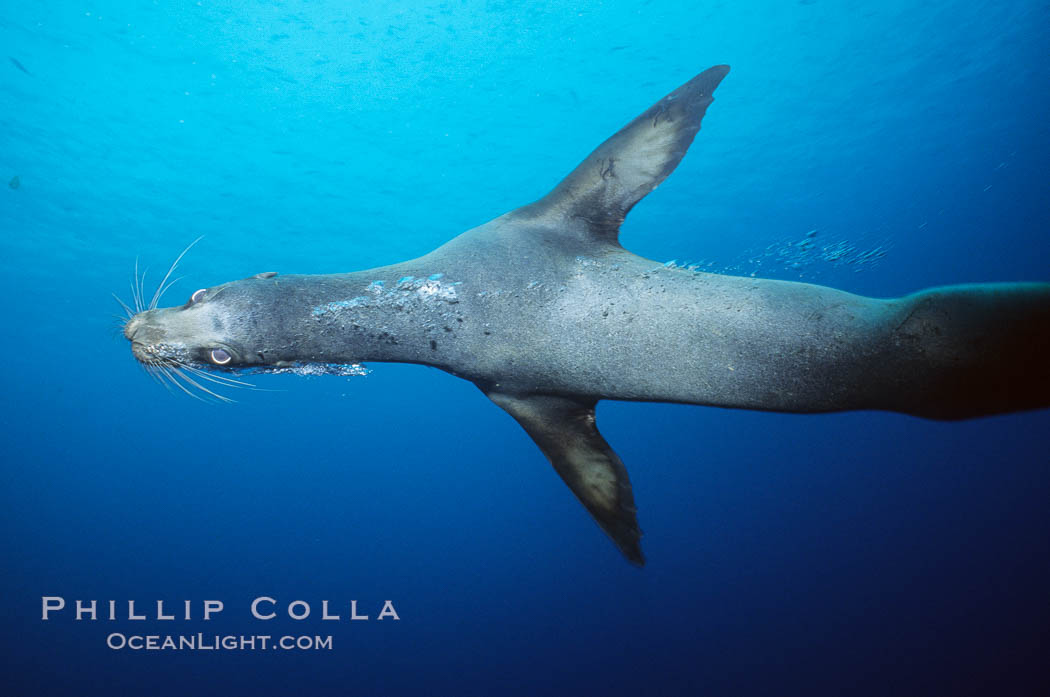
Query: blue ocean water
(859, 553)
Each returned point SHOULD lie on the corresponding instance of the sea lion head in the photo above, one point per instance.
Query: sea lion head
(222, 327)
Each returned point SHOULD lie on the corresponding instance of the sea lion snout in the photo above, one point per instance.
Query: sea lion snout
(149, 339)
(132, 326)
(145, 327)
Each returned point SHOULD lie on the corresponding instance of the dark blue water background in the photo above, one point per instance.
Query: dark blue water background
(861, 553)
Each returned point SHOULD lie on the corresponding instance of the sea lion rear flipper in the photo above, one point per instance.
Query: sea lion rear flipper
(597, 195)
(566, 433)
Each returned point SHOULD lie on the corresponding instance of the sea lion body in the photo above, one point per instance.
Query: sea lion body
(545, 312)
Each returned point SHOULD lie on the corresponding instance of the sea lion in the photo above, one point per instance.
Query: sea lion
(545, 312)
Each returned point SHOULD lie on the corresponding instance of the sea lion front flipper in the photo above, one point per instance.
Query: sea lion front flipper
(566, 433)
(597, 195)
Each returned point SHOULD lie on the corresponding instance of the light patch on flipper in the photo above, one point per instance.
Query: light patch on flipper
(598, 194)
(567, 434)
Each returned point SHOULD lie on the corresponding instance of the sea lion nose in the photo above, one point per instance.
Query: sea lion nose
(130, 327)
(133, 325)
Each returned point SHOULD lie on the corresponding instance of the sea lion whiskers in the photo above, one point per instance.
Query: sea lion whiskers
(161, 376)
(161, 287)
(117, 328)
(161, 292)
(217, 379)
(179, 370)
(155, 376)
(136, 288)
(125, 307)
(168, 374)
(175, 371)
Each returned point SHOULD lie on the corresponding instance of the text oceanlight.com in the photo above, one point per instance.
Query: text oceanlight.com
(216, 642)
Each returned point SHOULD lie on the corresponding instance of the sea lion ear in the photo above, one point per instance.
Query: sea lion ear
(566, 433)
(598, 194)
(264, 274)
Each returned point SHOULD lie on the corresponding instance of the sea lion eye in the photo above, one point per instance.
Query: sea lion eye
(219, 356)
(198, 295)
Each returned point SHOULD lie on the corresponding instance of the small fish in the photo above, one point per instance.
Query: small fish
(14, 61)
(15, 182)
